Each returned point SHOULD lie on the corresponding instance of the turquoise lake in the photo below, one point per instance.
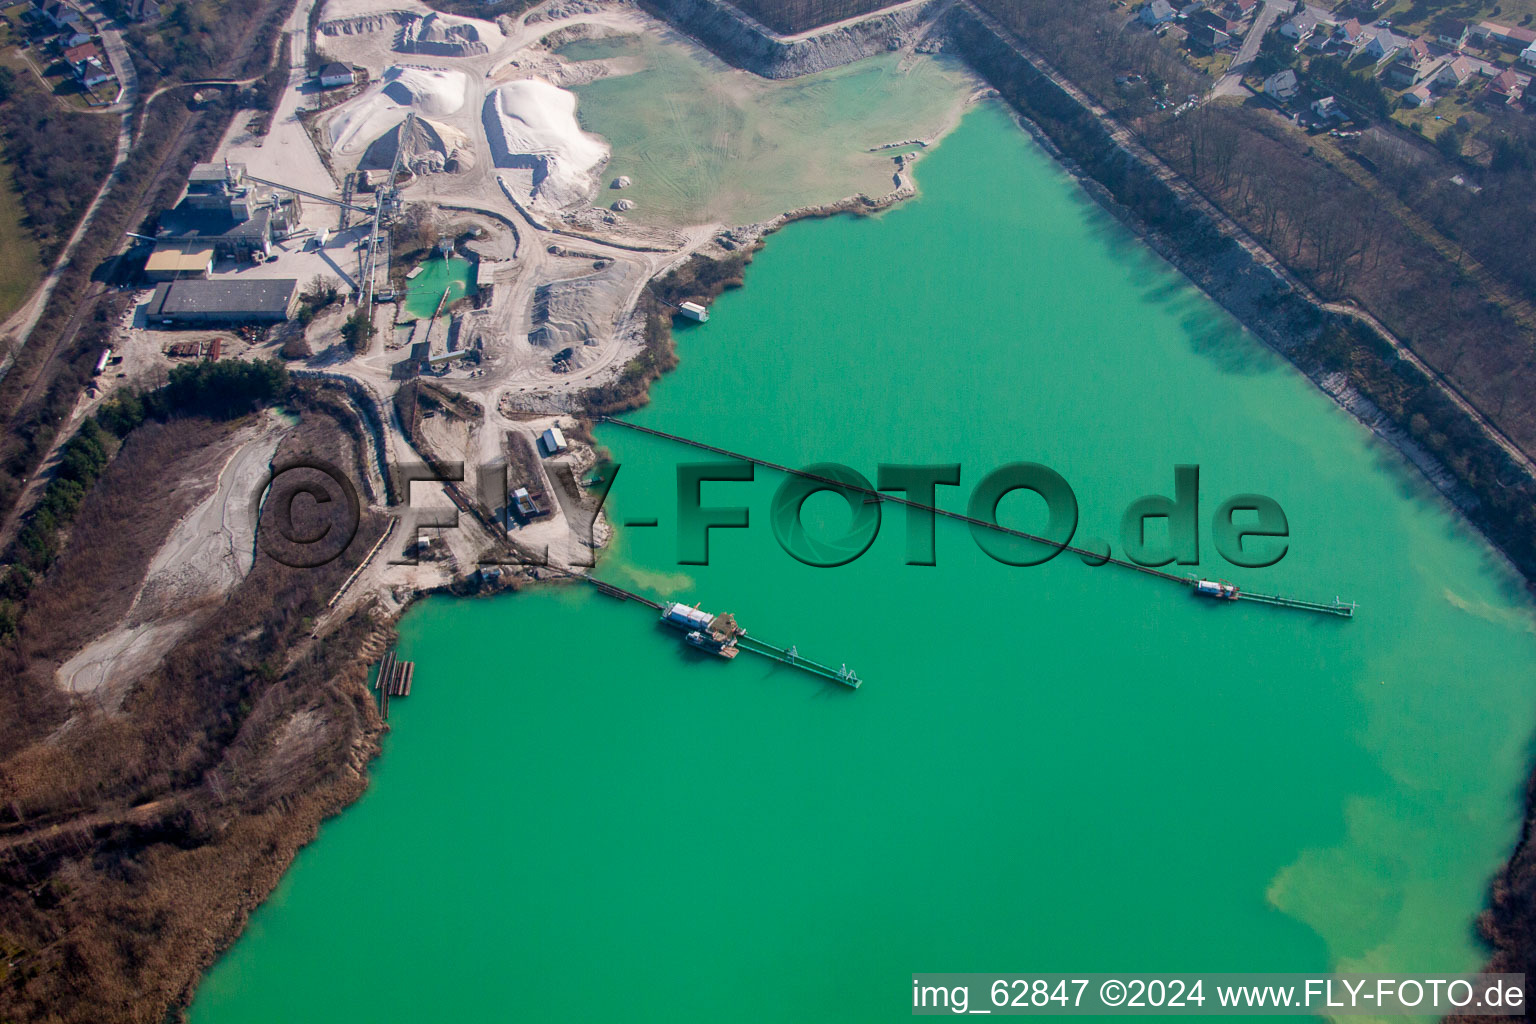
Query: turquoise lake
(1057, 768)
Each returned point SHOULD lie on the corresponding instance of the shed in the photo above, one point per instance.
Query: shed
(553, 441)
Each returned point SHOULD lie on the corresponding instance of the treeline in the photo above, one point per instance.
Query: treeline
(192, 39)
(58, 158)
(1360, 90)
(790, 16)
(1348, 243)
(1490, 210)
(1343, 239)
(81, 461)
(488, 9)
(1506, 496)
(200, 746)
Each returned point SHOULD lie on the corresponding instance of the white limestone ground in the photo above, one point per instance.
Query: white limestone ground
(532, 124)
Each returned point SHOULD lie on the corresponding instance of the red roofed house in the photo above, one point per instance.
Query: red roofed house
(1506, 89)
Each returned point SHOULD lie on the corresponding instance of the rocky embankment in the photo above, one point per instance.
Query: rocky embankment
(748, 44)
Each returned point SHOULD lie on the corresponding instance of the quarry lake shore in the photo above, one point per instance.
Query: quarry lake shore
(1201, 274)
(573, 175)
(722, 828)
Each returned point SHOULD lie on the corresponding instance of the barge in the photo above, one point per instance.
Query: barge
(712, 634)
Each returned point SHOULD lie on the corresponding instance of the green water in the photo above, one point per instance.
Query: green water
(704, 142)
(1048, 769)
(425, 290)
(599, 49)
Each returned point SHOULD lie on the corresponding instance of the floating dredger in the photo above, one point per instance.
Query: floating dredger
(714, 634)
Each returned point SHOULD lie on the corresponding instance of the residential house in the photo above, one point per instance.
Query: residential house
(1406, 70)
(334, 74)
(144, 10)
(1454, 72)
(1451, 32)
(1306, 21)
(73, 37)
(1282, 85)
(79, 54)
(1528, 55)
(1520, 39)
(1350, 34)
(1382, 44)
(1492, 32)
(1207, 37)
(1238, 9)
(1418, 96)
(1506, 89)
(1215, 19)
(60, 15)
(92, 72)
(1327, 108)
(1156, 13)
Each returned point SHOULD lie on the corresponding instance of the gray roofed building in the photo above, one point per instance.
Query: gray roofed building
(216, 174)
(334, 74)
(258, 300)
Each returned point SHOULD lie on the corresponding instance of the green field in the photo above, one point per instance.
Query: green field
(20, 267)
(1414, 15)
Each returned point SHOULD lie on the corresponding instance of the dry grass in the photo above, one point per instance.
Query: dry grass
(134, 844)
(21, 265)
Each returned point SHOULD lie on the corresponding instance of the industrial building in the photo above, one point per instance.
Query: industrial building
(223, 302)
(553, 441)
(239, 218)
(179, 261)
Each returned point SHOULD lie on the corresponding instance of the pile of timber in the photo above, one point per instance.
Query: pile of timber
(394, 678)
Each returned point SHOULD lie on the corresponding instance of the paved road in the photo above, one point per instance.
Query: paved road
(1231, 83)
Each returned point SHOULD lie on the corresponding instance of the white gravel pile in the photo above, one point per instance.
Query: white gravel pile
(532, 124)
(448, 36)
(379, 109)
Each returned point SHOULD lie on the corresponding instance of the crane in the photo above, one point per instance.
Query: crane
(387, 205)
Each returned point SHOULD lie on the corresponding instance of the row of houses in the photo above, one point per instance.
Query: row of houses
(1320, 30)
(1423, 66)
(1207, 27)
(73, 40)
